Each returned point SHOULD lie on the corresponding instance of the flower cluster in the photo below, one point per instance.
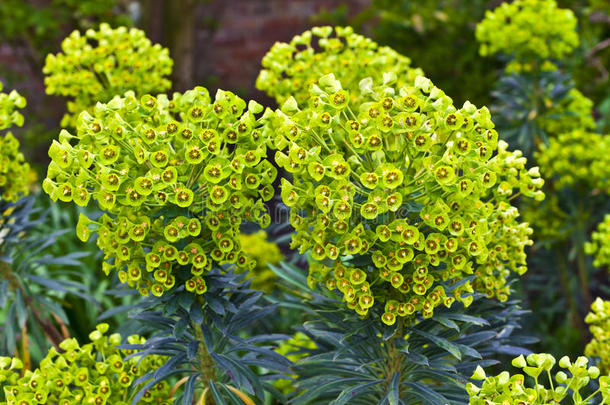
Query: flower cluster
(403, 197)
(289, 69)
(571, 113)
(528, 30)
(100, 64)
(292, 349)
(599, 326)
(548, 219)
(577, 158)
(507, 389)
(14, 170)
(263, 252)
(175, 178)
(9, 105)
(599, 246)
(96, 373)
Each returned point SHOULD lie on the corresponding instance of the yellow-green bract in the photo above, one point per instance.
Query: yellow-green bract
(175, 178)
(96, 373)
(577, 158)
(417, 187)
(528, 30)
(289, 69)
(14, 169)
(515, 389)
(599, 246)
(102, 63)
(599, 326)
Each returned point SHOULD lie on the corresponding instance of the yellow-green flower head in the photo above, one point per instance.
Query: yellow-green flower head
(289, 69)
(291, 350)
(547, 218)
(599, 246)
(100, 64)
(9, 105)
(410, 183)
(96, 373)
(528, 30)
(176, 178)
(263, 252)
(577, 158)
(599, 326)
(14, 170)
(518, 388)
(573, 112)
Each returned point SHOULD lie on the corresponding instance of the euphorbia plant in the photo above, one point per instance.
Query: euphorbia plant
(599, 245)
(102, 63)
(506, 388)
(175, 177)
(14, 170)
(96, 373)
(403, 199)
(599, 326)
(289, 69)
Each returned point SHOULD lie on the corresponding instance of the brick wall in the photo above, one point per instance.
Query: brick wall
(246, 29)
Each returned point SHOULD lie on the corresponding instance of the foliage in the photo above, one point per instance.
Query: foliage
(528, 30)
(33, 282)
(599, 326)
(203, 337)
(95, 373)
(347, 359)
(506, 388)
(599, 246)
(40, 24)
(98, 65)
(389, 218)
(257, 247)
(293, 350)
(289, 69)
(175, 178)
(532, 108)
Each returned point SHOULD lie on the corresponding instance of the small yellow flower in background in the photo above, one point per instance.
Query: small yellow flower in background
(258, 248)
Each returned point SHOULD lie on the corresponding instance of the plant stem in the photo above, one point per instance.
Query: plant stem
(564, 277)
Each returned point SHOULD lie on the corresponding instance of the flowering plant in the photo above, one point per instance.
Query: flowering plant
(102, 63)
(402, 198)
(175, 178)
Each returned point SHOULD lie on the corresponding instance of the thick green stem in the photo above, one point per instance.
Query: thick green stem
(395, 357)
(564, 278)
(583, 275)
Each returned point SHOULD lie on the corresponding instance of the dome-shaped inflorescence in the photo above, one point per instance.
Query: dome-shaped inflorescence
(577, 158)
(403, 199)
(528, 30)
(289, 69)
(96, 373)
(599, 326)
(103, 63)
(14, 169)
(175, 178)
(599, 246)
